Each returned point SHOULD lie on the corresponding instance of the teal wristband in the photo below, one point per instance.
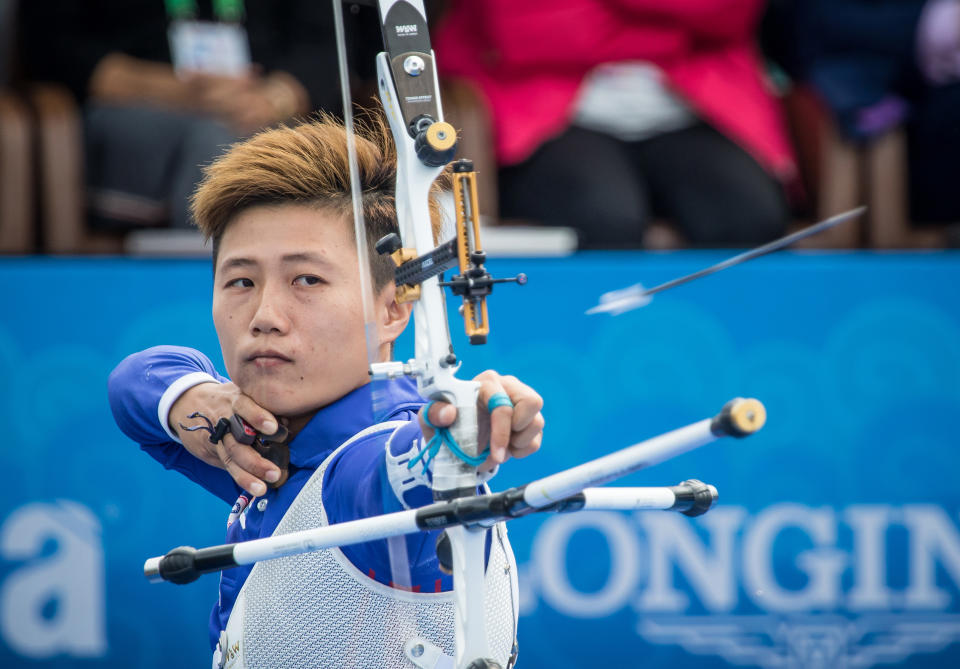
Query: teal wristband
(498, 400)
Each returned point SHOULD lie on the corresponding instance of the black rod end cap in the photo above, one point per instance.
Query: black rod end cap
(180, 565)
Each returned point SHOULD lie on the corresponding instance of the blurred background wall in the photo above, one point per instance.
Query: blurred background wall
(835, 543)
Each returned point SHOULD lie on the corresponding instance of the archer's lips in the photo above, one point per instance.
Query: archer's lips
(268, 358)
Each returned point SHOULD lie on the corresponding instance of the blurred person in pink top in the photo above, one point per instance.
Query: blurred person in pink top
(609, 113)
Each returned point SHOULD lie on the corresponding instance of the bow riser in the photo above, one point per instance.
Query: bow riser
(434, 364)
(434, 367)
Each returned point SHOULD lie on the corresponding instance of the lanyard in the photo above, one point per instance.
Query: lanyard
(229, 11)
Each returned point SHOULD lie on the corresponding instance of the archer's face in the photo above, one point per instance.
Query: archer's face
(287, 308)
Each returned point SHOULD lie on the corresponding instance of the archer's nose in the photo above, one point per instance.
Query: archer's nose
(269, 317)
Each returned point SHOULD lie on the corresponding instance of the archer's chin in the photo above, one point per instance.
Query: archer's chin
(279, 397)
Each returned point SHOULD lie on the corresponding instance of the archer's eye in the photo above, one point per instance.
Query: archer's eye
(239, 283)
(307, 280)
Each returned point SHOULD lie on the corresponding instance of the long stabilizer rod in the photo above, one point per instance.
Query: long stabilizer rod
(738, 418)
(570, 490)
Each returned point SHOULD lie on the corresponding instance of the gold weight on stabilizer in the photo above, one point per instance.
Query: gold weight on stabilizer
(740, 417)
(749, 415)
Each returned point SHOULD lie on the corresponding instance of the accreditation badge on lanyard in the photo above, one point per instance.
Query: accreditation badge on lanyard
(213, 47)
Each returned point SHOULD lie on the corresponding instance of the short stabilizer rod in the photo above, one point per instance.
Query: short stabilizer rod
(185, 564)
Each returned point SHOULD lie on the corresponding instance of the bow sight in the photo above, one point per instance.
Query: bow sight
(474, 283)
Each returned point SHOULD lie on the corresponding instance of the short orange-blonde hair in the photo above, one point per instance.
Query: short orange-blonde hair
(308, 164)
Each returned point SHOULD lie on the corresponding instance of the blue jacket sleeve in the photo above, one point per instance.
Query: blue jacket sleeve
(135, 389)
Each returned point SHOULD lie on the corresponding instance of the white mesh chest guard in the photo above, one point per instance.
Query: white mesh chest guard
(318, 610)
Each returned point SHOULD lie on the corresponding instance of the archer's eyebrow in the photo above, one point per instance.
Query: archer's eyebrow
(305, 257)
(245, 263)
(241, 263)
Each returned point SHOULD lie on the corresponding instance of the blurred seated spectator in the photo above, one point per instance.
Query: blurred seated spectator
(608, 113)
(880, 64)
(149, 127)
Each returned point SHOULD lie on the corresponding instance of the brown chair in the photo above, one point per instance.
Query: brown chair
(41, 160)
(63, 224)
(829, 169)
(885, 177)
(16, 176)
(16, 155)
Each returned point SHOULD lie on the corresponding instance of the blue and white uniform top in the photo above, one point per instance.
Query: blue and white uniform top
(333, 607)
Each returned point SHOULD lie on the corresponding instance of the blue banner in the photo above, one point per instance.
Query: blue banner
(836, 541)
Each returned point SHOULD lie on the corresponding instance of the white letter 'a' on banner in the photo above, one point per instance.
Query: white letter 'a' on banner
(71, 578)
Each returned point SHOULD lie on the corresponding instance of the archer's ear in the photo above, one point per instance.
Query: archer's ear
(394, 316)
